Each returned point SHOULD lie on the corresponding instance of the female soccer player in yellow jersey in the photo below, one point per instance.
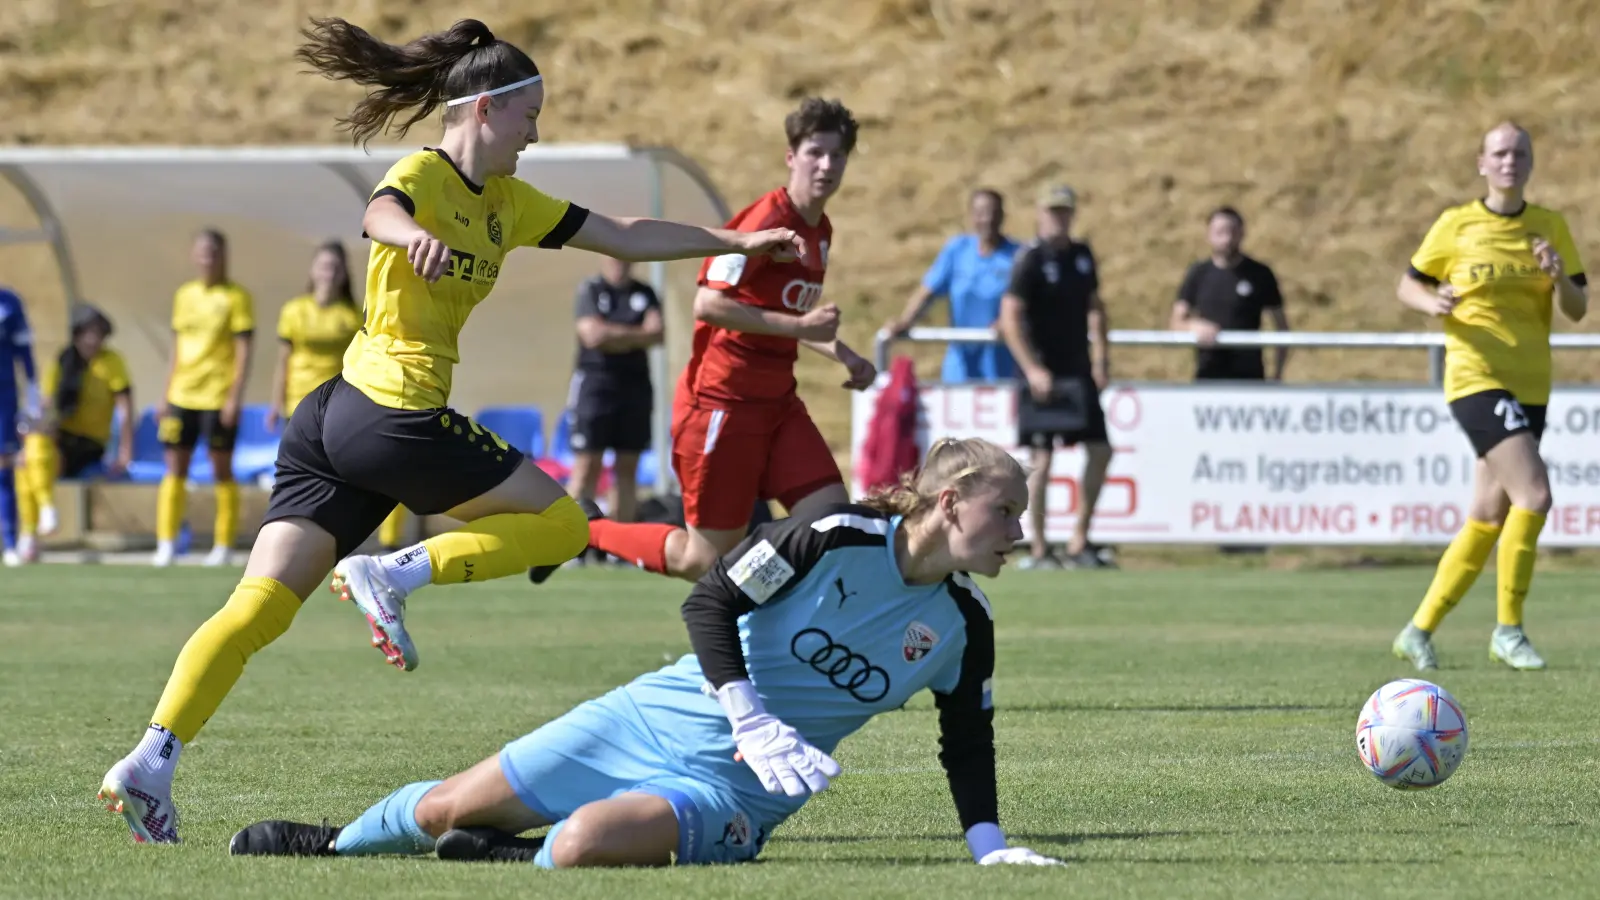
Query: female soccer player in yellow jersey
(81, 391)
(212, 322)
(441, 222)
(314, 330)
(1492, 269)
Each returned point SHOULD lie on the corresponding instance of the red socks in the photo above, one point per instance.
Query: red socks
(642, 543)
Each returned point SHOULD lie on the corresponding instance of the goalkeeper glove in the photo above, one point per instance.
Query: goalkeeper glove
(782, 759)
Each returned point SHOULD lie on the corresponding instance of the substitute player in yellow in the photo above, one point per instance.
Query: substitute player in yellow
(1492, 269)
(212, 323)
(314, 330)
(86, 385)
(442, 222)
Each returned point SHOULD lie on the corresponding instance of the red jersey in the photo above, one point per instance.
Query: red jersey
(738, 367)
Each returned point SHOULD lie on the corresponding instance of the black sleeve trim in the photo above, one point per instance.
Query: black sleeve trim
(571, 221)
(392, 191)
(248, 332)
(1581, 279)
(1422, 276)
(966, 720)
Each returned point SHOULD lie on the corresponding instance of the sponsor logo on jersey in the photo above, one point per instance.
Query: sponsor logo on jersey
(800, 295)
(737, 832)
(919, 641)
(846, 669)
(761, 572)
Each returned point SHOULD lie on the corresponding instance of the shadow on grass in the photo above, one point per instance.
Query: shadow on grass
(1170, 708)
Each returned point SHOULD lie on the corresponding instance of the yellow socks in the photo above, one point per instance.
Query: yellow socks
(227, 523)
(36, 483)
(170, 501)
(1518, 547)
(1459, 567)
(259, 611)
(27, 502)
(389, 532)
(506, 544)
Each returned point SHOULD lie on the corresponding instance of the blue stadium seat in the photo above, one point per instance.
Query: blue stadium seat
(256, 452)
(147, 466)
(521, 426)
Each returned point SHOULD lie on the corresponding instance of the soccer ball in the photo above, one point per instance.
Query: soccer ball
(1411, 734)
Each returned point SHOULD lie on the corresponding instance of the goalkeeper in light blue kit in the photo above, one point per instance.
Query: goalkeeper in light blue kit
(16, 348)
(805, 631)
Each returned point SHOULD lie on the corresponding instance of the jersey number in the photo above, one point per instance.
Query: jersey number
(1512, 412)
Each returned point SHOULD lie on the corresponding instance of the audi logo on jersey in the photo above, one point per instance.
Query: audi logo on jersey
(846, 669)
(800, 295)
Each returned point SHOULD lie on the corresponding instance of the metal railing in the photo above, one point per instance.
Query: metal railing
(1433, 342)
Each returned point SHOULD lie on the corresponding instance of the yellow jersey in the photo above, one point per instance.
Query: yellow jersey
(104, 378)
(205, 321)
(317, 337)
(1498, 336)
(404, 354)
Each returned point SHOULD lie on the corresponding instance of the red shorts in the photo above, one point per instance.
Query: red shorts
(727, 459)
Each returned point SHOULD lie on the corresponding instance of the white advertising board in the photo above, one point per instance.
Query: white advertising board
(1278, 464)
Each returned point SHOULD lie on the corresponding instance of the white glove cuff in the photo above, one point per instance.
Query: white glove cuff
(984, 838)
(740, 701)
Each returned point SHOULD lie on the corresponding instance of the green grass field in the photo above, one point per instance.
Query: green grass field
(1185, 733)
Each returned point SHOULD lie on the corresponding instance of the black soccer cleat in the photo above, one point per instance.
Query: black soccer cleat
(486, 845)
(279, 838)
(541, 574)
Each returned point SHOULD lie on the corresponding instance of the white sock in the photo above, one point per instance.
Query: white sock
(409, 569)
(158, 752)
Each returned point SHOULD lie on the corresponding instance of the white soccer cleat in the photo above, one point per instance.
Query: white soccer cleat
(1512, 647)
(48, 521)
(145, 804)
(164, 555)
(363, 581)
(27, 549)
(11, 559)
(220, 555)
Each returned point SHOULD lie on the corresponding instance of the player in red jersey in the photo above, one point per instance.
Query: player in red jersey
(739, 432)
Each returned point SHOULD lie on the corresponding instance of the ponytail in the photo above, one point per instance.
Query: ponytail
(950, 464)
(418, 77)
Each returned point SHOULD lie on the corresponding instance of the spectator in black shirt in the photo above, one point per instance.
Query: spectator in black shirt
(612, 398)
(1229, 292)
(1049, 317)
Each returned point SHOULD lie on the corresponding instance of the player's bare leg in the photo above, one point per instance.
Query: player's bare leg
(584, 480)
(626, 830)
(1521, 473)
(691, 551)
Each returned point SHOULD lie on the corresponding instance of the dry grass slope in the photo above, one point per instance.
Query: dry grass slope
(1339, 127)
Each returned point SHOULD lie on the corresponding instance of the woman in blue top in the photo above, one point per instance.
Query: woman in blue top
(804, 632)
(973, 271)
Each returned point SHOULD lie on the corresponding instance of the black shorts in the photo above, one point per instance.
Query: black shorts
(1489, 417)
(611, 413)
(181, 428)
(1073, 416)
(77, 453)
(344, 463)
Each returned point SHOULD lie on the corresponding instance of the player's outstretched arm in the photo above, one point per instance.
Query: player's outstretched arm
(648, 240)
(862, 371)
(717, 308)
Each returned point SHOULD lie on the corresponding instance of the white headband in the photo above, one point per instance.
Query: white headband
(499, 90)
